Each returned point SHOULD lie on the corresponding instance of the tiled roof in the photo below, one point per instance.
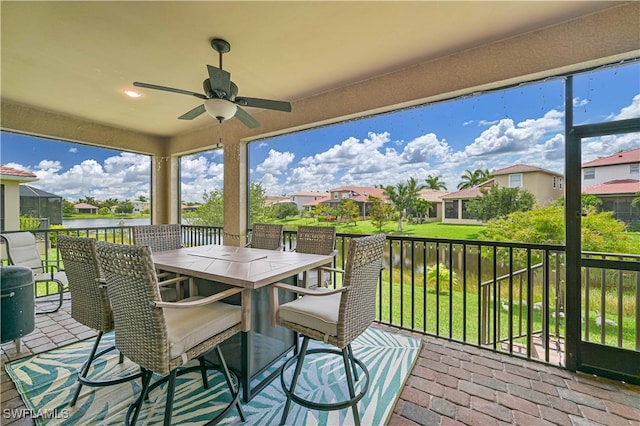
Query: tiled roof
(522, 168)
(620, 186)
(84, 206)
(10, 171)
(362, 191)
(310, 194)
(625, 157)
(317, 201)
(469, 192)
(432, 195)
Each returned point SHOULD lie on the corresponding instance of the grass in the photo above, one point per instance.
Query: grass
(433, 229)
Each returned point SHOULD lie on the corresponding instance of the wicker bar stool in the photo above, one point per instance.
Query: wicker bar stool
(266, 236)
(89, 302)
(336, 317)
(315, 240)
(163, 336)
(163, 237)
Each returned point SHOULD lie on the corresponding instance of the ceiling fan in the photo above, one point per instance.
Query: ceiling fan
(220, 96)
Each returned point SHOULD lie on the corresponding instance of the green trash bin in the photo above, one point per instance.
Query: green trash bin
(18, 304)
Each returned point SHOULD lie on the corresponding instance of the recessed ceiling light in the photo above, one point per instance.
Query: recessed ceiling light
(132, 93)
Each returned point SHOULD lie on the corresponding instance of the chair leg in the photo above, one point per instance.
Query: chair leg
(227, 377)
(146, 378)
(170, 391)
(352, 393)
(353, 362)
(60, 302)
(86, 368)
(294, 380)
(203, 373)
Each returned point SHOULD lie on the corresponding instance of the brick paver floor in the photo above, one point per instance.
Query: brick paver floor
(450, 384)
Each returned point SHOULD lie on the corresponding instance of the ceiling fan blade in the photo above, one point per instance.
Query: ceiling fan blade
(220, 80)
(168, 89)
(193, 113)
(246, 119)
(264, 103)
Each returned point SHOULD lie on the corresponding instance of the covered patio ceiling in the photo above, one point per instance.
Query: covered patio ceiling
(65, 65)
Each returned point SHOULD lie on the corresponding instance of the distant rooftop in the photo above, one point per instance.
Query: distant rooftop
(9, 173)
(522, 168)
(620, 186)
(625, 157)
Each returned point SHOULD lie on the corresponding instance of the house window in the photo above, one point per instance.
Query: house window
(451, 209)
(335, 195)
(561, 182)
(589, 173)
(515, 180)
(465, 212)
(433, 211)
(634, 168)
(554, 182)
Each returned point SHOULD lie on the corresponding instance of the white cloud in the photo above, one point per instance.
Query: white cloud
(630, 111)
(276, 163)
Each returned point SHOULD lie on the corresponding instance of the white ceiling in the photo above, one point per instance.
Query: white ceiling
(77, 58)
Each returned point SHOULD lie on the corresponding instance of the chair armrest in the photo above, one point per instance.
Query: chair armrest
(200, 302)
(330, 269)
(309, 291)
(50, 265)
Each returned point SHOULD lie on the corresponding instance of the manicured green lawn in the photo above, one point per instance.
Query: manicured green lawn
(434, 229)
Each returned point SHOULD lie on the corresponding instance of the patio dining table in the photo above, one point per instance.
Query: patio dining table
(260, 345)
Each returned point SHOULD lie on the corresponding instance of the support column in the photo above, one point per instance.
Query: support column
(235, 194)
(165, 190)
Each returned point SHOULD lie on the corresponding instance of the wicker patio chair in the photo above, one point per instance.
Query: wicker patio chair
(336, 317)
(89, 302)
(163, 336)
(315, 240)
(163, 237)
(22, 250)
(266, 236)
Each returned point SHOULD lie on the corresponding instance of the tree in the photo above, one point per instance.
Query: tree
(421, 208)
(88, 200)
(402, 197)
(435, 182)
(125, 207)
(321, 210)
(380, 212)
(210, 212)
(258, 203)
(349, 211)
(284, 210)
(67, 208)
(500, 201)
(469, 178)
(600, 230)
(142, 198)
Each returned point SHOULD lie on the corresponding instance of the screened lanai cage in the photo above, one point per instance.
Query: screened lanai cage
(41, 205)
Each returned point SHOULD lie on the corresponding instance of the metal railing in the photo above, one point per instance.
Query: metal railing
(507, 297)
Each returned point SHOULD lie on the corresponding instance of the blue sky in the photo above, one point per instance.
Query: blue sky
(489, 131)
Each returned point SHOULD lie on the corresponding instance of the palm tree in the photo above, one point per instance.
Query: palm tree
(435, 182)
(469, 178)
(402, 197)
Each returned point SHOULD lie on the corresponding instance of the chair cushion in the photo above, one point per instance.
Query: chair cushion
(189, 327)
(316, 312)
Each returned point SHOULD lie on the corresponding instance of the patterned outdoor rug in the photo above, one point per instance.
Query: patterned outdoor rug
(47, 382)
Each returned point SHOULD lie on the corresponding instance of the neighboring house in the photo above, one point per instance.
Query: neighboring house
(616, 181)
(623, 165)
(545, 185)
(437, 205)
(303, 198)
(455, 204)
(35, 202)
(311, 204)
(140, 206)
(617, 196)
(10, 180)
(85, 208)
(359, 194)
(271, 200)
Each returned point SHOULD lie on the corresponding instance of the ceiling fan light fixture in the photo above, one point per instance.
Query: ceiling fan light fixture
(220, 109)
